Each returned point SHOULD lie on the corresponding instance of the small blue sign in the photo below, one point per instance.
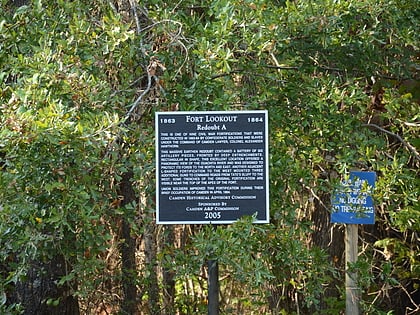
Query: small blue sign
(352, 203)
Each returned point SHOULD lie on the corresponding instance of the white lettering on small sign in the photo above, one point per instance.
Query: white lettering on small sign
(352, 203)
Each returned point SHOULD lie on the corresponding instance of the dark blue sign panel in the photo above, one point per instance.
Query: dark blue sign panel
(353, 203)
(211, 167)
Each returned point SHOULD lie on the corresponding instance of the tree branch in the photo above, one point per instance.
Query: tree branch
(134, 105)
(136, 16)
(409, 147)
(139, 30)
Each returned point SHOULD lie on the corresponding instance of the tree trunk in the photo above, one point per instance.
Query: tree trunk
(151, 265)
(329, 238)
(40, 294)
(128, 249)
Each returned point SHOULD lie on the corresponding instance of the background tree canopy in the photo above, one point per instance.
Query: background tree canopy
(80, 82)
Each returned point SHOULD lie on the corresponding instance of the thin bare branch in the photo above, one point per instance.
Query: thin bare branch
(409, 124)
(409, 147)
(133, 5)
(136, 103)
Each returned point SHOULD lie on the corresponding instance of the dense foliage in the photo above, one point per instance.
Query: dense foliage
(79, 84)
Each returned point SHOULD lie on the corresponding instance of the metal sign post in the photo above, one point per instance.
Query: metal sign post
(213, 287)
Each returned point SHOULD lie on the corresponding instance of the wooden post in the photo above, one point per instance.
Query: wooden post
(352, 291)
(213, 287)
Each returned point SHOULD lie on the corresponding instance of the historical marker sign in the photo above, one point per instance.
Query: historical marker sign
(212, 167)
(353, 203)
